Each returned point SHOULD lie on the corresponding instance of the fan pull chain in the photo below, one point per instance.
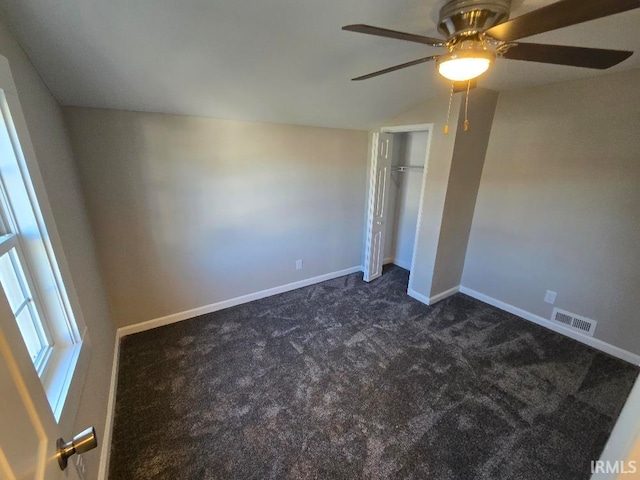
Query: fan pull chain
(466, 108)
(446, 125)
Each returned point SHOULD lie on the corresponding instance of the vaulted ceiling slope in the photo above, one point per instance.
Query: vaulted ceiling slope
(270, 60)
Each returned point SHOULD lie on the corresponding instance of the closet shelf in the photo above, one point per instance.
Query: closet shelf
(406, 168)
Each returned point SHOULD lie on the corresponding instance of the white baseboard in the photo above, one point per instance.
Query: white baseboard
(400, 263)
(232, 302)
(395, 261)
(591, 341)
(434, 298)
(418, 296)
(105, 452)
(442, 295)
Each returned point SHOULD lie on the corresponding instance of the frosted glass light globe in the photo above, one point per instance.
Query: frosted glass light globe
(462, 69)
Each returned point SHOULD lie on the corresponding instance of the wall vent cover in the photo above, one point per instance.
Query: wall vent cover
(586, 326)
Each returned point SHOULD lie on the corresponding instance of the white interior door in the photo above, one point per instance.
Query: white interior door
(377, 213)
(28, 430)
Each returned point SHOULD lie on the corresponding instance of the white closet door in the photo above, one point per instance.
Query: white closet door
(377, 213)
(28, 429)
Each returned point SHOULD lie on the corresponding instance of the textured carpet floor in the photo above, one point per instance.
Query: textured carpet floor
(351, 380)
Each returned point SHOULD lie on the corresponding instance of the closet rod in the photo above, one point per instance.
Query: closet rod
(406, 168)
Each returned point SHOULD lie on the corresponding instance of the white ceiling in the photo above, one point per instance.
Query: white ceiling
(271, 60)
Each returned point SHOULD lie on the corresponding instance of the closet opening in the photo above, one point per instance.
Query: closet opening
(399, 159)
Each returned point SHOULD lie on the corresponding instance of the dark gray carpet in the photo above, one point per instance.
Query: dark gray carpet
(351, 380)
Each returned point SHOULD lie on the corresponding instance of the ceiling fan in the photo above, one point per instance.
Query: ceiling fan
(479, 31)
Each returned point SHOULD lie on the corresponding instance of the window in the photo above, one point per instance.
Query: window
(16, 288)
(29, 274)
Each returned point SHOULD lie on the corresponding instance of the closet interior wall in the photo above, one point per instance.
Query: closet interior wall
(410, 149)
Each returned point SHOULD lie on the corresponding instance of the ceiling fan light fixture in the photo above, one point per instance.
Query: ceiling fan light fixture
(465, 65)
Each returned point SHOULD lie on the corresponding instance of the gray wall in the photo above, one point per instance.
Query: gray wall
(559, 204)
(464, 180)
(190, 211)
(46, 129)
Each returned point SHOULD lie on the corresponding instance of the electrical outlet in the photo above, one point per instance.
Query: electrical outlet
(298, 264)
(550, 297)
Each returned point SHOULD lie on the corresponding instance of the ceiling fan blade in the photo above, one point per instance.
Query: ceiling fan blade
(564, 55)
(384, 32)
(557, 15)
(397, 67)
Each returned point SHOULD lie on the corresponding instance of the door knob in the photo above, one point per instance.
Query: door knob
(83, 442)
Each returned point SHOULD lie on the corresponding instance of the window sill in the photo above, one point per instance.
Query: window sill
(57, 375)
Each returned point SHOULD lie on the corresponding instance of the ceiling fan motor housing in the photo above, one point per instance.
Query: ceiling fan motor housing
(468, 17)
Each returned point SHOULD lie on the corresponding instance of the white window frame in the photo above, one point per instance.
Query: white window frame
(63, 369)
(11, 241)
